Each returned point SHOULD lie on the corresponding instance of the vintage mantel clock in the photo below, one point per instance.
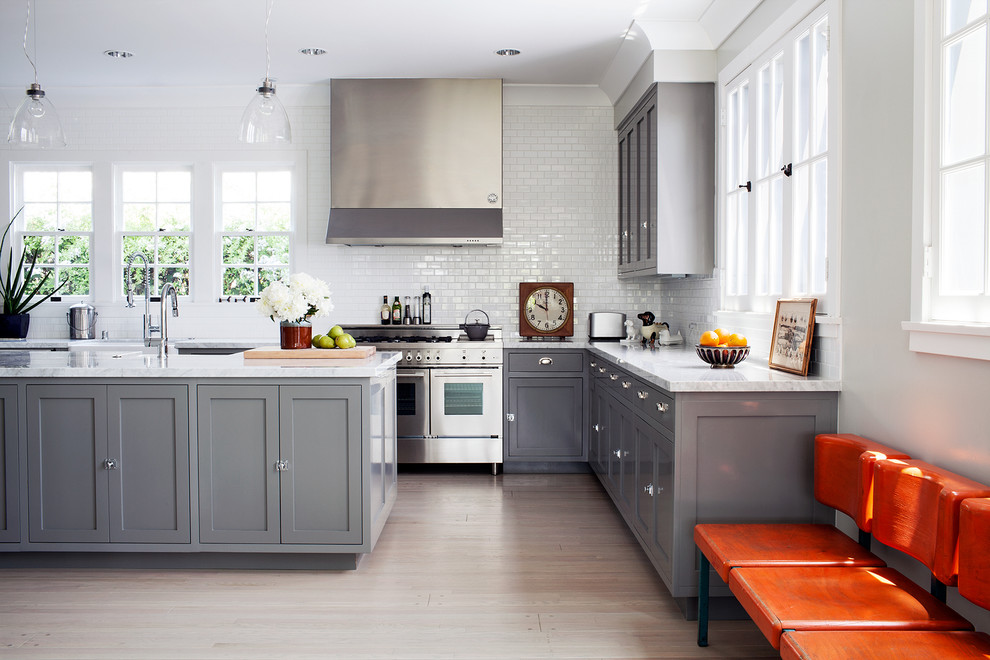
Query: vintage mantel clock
(546, 309)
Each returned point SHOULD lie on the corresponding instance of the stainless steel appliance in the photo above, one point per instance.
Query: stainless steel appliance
(81, 318)
(606, 326)
(448, 392)
(415, 161)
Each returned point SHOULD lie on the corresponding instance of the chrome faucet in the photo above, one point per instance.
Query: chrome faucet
(167, 290)
(146, 328)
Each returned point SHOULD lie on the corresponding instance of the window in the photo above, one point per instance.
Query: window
(155, 215)
(255, 229)
(775, 163)
(57, 224)
(957, 261)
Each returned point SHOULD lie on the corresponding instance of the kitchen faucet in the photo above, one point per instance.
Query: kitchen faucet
(146, 328)
(167, 290)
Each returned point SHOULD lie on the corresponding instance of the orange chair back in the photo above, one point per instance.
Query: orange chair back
(974, 551)
(844, 473)
(916, 510)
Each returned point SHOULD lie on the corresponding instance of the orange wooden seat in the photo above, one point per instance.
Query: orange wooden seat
(916, 511)
(974, 584)
(843, 480)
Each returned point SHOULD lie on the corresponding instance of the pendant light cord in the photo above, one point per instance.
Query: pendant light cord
(268, 52)
(27, 22)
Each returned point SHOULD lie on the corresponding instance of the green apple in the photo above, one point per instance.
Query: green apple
(316, 341)
(326, 342)
(346, 341)
(336, 331)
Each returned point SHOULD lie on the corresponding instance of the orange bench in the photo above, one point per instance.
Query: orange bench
(974, 584)
(844, 466)
(916, 511)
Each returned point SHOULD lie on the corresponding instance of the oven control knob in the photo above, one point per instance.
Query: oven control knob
(419, 357)
(408, 357)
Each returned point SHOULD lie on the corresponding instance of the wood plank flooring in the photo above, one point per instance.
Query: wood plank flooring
(469, 566)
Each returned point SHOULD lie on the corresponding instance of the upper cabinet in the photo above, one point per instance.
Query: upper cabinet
(667, 182)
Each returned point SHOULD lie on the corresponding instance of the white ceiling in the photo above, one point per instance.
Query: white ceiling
(222, 42)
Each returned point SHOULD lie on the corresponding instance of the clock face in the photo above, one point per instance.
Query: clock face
(546, 310)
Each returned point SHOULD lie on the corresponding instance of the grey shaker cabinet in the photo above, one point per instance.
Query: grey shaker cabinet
(280, 464)
(10, 531)
(108, 463)
(545, 406)
(667, 182)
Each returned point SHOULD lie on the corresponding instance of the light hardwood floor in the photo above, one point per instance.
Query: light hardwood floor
(469, 566)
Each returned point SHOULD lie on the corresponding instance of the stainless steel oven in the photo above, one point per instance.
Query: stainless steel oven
(448, 393)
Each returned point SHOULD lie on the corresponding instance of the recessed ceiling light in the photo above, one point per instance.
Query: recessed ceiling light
(118, 54)
(312, 51)
(507, 52)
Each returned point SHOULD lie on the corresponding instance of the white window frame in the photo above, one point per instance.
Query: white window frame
(296, 233)
(957, 338)
(746, 67)
(19, 230)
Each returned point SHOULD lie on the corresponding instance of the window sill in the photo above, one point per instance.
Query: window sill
(953, 339)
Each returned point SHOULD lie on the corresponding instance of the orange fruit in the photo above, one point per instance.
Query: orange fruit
(708, 338)
(736, 340)
(723, 335)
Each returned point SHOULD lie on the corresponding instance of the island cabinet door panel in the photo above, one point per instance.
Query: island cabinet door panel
(238, 463)
(67, 463)
(149, 490)
(9, 525)
(320, 450)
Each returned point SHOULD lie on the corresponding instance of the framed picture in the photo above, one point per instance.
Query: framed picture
(790, 344)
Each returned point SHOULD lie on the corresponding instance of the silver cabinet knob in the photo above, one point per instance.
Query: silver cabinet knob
(545, 361)
(593, 365)
(644, 225)
(626, 384)
(597, 430)
(662, 407)
(613, 376)
(110, 464)
(642, 394)
(617, 453)
(510, 417)
(281, 466)
(648, 489)
(601, 370)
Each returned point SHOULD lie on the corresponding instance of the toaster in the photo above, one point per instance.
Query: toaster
(606, 326)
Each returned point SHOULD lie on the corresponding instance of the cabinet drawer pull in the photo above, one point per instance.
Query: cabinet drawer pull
(546, 361)
(281, 466)
(593, 365)
(613, 376)
(642, 394)
(617, 453)
(601, 370)
(662, 407)
(648, 489)
(597, 428)
(110, 464)
(626, 384)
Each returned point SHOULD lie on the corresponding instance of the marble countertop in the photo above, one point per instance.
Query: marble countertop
(63, 343)
(133, 364)
(679, 369)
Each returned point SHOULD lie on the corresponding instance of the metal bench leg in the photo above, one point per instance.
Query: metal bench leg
(704, 566)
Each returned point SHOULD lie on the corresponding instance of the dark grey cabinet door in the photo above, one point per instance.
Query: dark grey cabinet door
(549, 418)
(320, 447)
(149, 439)
(597, 443)
(10, 529)
(654, 514)
(238, 453)
(67, 475)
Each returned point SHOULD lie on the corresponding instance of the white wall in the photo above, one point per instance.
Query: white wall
(559, 209)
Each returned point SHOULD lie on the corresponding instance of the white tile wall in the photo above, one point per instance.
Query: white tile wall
(559, 195)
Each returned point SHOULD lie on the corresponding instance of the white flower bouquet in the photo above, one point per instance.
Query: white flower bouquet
(303, 297)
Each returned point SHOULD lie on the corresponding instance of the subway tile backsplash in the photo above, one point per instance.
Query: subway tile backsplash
(559, 200)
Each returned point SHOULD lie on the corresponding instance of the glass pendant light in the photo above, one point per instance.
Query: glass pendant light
(264, 120)
(35, 122)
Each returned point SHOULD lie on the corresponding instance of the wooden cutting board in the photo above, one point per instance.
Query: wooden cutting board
(276, 353)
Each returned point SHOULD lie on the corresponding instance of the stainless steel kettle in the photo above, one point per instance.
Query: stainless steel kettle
(81, 318)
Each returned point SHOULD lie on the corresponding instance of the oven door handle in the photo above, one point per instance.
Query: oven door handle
(414, 373)
(466, 372)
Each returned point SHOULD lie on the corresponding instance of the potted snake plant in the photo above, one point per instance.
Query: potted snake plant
(18, 292)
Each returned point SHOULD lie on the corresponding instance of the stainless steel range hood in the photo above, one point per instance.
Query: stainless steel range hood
(415, 161)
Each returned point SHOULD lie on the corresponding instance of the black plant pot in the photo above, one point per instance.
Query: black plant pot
(14, 326)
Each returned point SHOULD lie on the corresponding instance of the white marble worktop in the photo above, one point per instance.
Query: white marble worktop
(679, 369)
(133, 364)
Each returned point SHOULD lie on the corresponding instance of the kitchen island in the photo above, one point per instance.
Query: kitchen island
(123, 458)
(673, 441)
